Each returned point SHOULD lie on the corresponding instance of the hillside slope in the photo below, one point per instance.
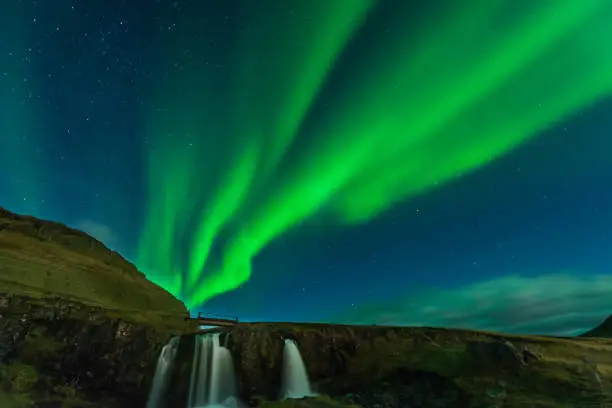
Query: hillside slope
(42, 258)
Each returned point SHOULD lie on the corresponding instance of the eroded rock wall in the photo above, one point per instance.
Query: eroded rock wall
(52, 349)
(390, 367)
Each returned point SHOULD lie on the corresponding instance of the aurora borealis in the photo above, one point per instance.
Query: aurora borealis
(238, 149)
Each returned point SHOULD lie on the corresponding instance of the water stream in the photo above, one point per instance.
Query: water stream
(295, 382)
(213, 381)
(165, 362)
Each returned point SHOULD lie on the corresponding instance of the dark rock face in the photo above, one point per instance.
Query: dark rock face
(406, 388)
(350, 364)
(77, 349)
(501, 353)
(392, 367)
(258, 360)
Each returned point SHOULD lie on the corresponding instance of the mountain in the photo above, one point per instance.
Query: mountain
(603, 330)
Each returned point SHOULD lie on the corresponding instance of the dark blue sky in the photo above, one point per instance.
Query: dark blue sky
(522, 244)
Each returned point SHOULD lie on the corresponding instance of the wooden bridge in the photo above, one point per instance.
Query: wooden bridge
(212, 319)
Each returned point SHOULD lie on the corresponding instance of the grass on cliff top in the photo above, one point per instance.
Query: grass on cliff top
(169, 321)
(37, 297)
(43, 269)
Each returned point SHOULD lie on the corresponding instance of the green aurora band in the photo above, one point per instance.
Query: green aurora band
(431, 103)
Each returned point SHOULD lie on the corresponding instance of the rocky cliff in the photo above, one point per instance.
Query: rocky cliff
(77, 321)
(393, 367)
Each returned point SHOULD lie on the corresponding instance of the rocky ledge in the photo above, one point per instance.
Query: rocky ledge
(403, 367)
(79, 324)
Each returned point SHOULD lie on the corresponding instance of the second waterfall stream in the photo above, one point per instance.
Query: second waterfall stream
(295, 382)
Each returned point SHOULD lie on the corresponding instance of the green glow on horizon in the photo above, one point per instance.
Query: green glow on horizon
(423, 112)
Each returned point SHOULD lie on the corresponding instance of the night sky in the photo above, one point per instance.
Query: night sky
(442, 163)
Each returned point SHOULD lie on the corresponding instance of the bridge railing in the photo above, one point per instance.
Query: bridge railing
(215, 316)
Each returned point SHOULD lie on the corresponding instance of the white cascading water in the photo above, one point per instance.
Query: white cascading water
(213, 381)
(295, 383)
(165, 362)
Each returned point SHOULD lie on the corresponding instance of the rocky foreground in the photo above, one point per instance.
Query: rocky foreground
(81, 327)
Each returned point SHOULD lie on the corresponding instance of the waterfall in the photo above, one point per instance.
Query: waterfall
(165, 361)
(295, 383)
(213, 381)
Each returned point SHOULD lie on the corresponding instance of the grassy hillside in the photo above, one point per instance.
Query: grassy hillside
(42, 258)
